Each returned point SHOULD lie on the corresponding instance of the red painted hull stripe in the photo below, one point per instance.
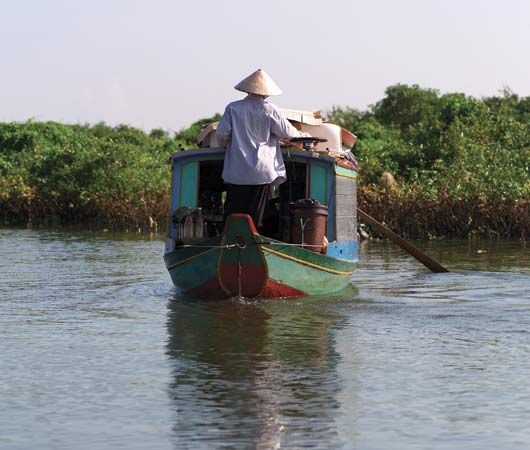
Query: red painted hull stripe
(273, 289)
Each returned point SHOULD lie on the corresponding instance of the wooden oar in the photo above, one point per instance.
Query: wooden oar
(407, 246)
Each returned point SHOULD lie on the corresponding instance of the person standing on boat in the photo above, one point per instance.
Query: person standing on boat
(249, 130)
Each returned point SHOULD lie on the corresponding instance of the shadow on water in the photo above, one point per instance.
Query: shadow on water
(254, 373)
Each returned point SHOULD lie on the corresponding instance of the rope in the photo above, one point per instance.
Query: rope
(206, 246)
(288, 244)
(302, 227)
(239, 296)
(283, 244)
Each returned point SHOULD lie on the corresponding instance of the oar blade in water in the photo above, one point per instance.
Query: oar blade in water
(405, 245)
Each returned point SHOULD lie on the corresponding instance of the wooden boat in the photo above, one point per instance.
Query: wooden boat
(234, 259)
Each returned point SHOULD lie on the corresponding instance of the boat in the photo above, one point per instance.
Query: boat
(209, 259)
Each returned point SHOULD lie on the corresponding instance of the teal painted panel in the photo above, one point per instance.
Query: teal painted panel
(188, 184)
(304, 278)
(318, 184)
(195, 272)
(344, 172)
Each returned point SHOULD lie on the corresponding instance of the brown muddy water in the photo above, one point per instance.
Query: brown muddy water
(98, 351)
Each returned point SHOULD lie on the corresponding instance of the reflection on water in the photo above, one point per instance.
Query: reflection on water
(245, 372)
(97, 351)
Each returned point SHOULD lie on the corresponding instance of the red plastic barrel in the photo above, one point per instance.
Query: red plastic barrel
(308, 223)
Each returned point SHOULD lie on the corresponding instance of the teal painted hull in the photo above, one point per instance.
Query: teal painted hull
(244, 263)
(314, 281)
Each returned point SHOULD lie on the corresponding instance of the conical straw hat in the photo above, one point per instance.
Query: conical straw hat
(259, 83)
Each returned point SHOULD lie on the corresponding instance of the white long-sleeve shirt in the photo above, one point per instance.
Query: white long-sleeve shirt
(250, 129)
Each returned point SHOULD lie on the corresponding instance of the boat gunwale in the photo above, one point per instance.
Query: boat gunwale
(287, 248)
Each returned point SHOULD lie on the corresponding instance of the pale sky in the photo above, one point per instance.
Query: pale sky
(165, 64)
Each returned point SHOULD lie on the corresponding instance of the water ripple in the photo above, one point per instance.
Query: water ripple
(98, 350)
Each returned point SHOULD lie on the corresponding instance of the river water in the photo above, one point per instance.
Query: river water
(98, 351)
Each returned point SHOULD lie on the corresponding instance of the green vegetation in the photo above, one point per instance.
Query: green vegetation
(100, 176)
(65, 174)
(461, 167)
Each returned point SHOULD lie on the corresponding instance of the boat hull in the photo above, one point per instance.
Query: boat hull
(243, 263)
